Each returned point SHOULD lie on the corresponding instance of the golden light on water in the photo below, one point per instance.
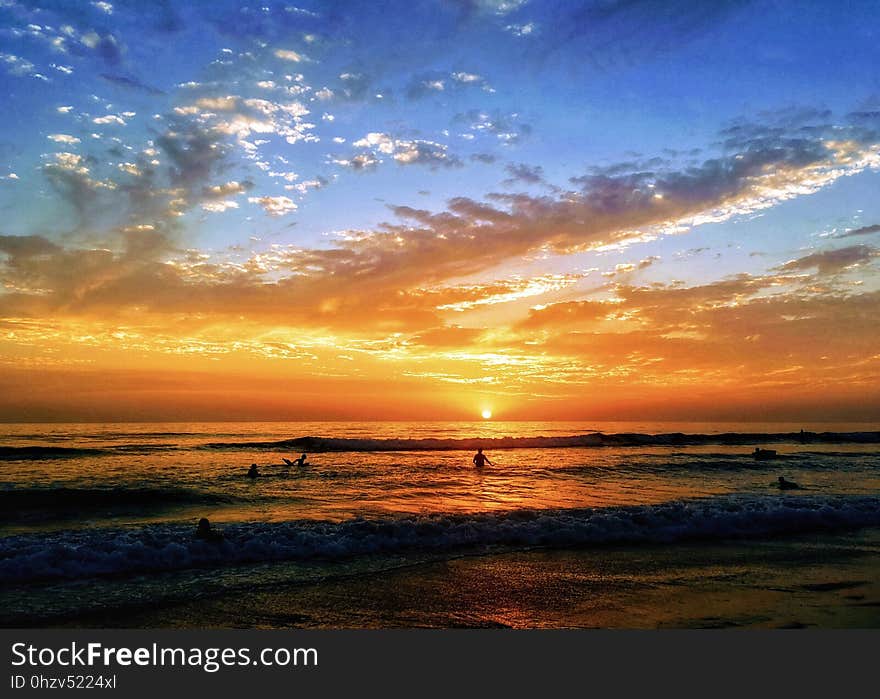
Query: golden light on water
(487, 414)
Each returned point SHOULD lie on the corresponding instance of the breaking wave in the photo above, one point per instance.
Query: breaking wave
(595, 439)
(313, 444)
(157, 548)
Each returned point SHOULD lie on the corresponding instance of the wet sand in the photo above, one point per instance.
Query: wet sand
(832, 581)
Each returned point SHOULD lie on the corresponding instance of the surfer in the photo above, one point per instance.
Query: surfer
(301, 461)
(253, 472)
(787, 485)
(204, 531)
(480, 458)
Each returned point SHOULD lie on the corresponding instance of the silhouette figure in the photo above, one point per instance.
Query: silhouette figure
(762, 454)
(253, 472)
(787, 485)
(301, 461)
(480, 458)
(204, 531)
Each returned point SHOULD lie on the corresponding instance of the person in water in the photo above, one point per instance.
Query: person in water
(253, 472)
(301, 461)
(480, 458)
(204, 531)
(787, 485)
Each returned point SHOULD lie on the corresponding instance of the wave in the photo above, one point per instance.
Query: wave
(61, 502)
(594, 439)
(159, 548)
(41, 452)
(31, 453)
(313, 444)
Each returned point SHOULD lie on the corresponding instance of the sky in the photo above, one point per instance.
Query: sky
(580, 210)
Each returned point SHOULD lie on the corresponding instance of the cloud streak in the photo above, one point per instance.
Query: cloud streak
(423, 247)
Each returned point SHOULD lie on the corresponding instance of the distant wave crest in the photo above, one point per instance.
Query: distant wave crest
(42, 452)
(595, 439)
(313, 444)
(89, 553)
(20, 502)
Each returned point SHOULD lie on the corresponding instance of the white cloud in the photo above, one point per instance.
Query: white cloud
(522, 29)
(289, 176)
(466, 77)
(362, 161)
(275, 206)
(229, 188)
(91, 40)
(109, 119)
(404, 151)
(62, 138)
(71, 161)
(380, 141)
(218, 207)
(288, 55)
(301, 11)
(502, 7)
(130, 168)
(219, 104)
(17, 65)
(305, 186)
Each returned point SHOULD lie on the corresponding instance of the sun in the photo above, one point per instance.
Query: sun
(486, 413)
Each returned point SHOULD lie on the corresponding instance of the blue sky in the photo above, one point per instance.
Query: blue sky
(589, 84)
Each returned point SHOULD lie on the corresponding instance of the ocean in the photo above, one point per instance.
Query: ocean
(575, 525)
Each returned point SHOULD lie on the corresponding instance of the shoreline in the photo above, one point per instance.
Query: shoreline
(827, 581)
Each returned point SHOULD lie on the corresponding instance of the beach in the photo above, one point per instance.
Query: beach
(805, 582)
(576, 525)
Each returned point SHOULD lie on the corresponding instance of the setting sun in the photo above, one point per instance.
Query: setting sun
(486, 414)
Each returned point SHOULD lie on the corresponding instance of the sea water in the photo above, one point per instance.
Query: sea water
(100, 516)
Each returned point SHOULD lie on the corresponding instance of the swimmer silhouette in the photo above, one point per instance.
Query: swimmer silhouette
(253, 472)
(480, 458)
(787, 485)
(204, 531)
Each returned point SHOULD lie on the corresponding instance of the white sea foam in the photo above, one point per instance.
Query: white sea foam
(99, 552)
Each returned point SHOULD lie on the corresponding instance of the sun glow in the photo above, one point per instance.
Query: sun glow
(487, 414)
